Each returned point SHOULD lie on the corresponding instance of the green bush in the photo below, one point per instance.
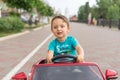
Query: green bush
(11, 24)
(14, 14)
(17, 24)
(5, 26)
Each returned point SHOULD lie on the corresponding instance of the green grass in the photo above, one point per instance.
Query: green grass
(3, 34)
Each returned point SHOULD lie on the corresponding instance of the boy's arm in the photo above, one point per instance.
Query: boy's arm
(80, 52)
(49, 56)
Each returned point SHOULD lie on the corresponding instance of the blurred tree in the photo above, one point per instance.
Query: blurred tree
(21, 4)
(103, 6)
(28, 5)
(95, 12)
(83, 12)
(50, 11)
(43, 8)
(109, 8)
(113, 12)
(87, 8)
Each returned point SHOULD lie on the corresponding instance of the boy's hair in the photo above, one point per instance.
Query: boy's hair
(60, 17)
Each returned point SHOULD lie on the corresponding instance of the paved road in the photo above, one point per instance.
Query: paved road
(101, 45)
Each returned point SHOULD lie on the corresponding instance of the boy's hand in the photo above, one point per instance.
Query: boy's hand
(80, 58)
(50, 56)
(49, 61)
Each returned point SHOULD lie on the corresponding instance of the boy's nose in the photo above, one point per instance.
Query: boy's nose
(59, 28)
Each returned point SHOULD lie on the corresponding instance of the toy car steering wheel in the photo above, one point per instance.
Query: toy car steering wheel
(64, 58)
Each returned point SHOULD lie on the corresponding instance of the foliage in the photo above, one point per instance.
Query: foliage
(20, 4)
(5, 25)
(50, 11)
(113, 12)
(109, 9)
(17, 24)
(28, 5)
(11, 24)
(14, 14)
(95, 12)
(44, 9)
(81, 14)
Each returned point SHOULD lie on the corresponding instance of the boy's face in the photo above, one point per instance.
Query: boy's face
(59, 28)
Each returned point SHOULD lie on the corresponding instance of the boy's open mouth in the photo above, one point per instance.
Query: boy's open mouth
(59, 33)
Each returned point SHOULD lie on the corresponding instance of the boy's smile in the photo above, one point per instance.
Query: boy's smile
(59, 33)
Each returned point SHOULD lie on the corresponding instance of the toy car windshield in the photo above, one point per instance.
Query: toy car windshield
(67, 72)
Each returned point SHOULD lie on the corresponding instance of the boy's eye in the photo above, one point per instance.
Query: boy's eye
(55, 27)
(62, 26)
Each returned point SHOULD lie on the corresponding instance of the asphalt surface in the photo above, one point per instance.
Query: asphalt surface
(101, 45)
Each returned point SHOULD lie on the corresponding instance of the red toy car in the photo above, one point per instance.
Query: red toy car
(66, 69)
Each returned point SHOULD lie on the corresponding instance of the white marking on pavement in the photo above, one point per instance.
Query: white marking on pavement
(21, 64)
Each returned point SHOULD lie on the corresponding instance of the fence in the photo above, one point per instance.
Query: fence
(110, 23)
(105, 22)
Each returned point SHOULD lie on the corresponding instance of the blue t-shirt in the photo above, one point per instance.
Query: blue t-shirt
(66, 47)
